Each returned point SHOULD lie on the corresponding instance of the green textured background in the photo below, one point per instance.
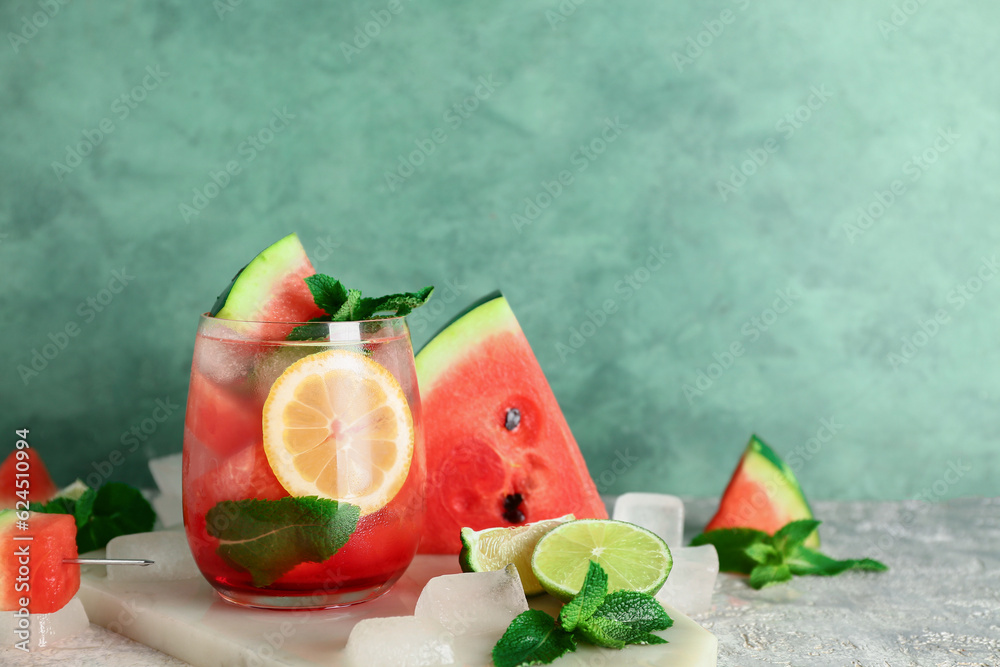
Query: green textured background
(893, 78)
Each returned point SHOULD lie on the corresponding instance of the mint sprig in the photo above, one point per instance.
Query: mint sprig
(348, 305)
(592, 616)
(267, 538)
(103, 514)
(775, 559)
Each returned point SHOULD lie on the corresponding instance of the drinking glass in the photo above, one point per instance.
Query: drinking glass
(282, 419)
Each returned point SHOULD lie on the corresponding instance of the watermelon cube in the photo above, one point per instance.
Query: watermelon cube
(221, 419)
(28, 463)
(32, 572)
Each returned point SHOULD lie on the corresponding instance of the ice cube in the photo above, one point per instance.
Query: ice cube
(473, 602)
(399, 641)
(74, 491)
(657, 512)
(691, 581)
(46, 629)
(168, 548)
(222, 359)
(169, 510)
(167, 474)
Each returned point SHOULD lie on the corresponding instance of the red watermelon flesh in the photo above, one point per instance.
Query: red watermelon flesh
(40, 488)
(219, 418)
(51, 583)
(763, 494)
(499, 451)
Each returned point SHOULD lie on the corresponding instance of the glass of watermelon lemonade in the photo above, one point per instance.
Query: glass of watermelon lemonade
(303, 460)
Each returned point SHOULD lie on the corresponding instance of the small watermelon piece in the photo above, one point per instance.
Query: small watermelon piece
(271, 288)
(499, 451)
(40, 488)
(763, 494)
(50, 582)
(208, 481)
(221, 419)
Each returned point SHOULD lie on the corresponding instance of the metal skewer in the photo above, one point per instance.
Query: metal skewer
(108, 561)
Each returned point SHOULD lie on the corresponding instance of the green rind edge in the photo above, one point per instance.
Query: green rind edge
(249, 288)
(489, 315)
(759, 457)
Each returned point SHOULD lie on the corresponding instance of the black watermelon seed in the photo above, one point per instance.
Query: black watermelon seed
(512, 508)
(513, 419)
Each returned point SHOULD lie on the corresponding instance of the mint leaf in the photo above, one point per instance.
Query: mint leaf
(763, 553)
(586, 602)
(533, 638)
(328, 293)
(84, 508)
(54, 506)
(639, 611)
(316, 331)
(868, 565)
(348, 311)
(609, 633)
(396, 304)
(732, 545)
(805, 561)
(768, 575)
(267, 538)
(114, 509)
(794, 534)
(606, 632)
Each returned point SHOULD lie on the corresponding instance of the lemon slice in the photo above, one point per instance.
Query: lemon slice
(634, 558)
(494, 548)
(337, 425)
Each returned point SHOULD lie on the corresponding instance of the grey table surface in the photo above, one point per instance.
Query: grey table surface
(938, 606)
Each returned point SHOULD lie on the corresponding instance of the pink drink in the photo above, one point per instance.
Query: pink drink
(234, 367)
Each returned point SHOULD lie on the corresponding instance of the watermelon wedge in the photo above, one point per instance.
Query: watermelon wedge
(40, 488)
(50, 582)
(499, 451)
(271, 288)
(762, 494)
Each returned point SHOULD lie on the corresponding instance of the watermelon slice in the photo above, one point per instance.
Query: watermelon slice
(499, 451)
(763, 494)
(50, 582)
(40, 487)
(271, 288)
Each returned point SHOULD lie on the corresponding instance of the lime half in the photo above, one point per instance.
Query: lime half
(495, 548)
(634, 558)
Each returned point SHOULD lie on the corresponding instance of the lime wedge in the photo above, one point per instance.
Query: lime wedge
(495, 548)
(634, 558)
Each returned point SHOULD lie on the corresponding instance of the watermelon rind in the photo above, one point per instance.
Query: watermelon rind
(794, 496)
(252, 285)
(486, 317)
